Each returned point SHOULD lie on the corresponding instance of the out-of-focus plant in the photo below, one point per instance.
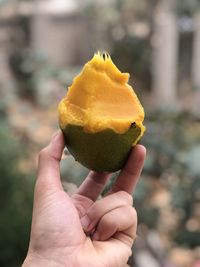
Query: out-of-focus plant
(15, 201)
(187, 7)
(132, 54)
(24, 66)
(172, 140)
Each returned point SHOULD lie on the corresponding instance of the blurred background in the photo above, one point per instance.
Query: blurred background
(43, 45)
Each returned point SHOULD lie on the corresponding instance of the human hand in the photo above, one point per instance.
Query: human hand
(81, 230)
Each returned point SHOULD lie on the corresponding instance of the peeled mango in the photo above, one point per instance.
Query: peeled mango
(101, 116)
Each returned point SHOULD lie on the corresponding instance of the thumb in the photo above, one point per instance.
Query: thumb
(49, 164)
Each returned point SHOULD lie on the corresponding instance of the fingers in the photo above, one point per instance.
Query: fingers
(119, 223)
(49, 164)
(130, 174)
(103, 206)
(112, 216)
(93, 185)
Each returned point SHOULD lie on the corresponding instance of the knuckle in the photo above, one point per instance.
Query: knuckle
(133, 214)
(94, 213)
(108, 222)
(43, 153)
(129, 172)
(126, 197)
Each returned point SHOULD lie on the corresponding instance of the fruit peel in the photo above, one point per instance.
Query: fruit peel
(105, 151)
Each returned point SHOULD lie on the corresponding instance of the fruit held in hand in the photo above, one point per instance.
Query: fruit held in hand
(101, 116)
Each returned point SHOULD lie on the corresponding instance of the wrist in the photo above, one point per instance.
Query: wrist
(32, 261)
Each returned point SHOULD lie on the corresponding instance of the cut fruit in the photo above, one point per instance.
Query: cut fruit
(101, 116)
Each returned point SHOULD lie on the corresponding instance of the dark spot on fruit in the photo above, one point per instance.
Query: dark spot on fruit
(133, 125)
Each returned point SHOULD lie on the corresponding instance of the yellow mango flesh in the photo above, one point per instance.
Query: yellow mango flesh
(101, 116)
(100, 98)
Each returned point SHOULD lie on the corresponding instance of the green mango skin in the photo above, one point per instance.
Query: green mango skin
(105, 151)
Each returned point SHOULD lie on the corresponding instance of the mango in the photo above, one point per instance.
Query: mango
(101, 116)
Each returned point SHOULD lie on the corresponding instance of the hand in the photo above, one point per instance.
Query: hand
(81, 230)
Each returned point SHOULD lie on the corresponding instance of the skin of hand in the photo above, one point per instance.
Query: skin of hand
(82, 230)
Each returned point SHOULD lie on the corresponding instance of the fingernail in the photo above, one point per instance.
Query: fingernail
(96, 236)
(85, 222)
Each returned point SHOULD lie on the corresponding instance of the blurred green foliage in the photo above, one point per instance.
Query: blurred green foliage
(172, 141)
(133, 55)
(185, 7)
(15, 201)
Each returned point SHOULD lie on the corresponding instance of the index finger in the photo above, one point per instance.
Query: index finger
(129, 175)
